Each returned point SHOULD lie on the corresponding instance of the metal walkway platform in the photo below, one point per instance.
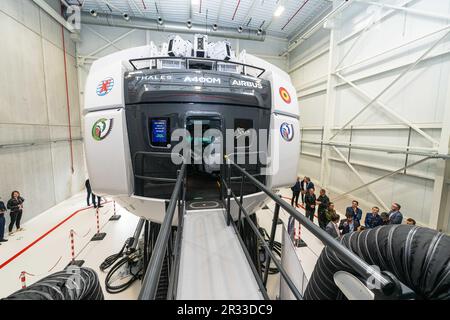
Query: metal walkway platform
(213, 264)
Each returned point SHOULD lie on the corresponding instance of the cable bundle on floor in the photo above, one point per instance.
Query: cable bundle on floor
(72, 283)
(418, 257)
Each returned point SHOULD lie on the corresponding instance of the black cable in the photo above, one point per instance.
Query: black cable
(122, 287)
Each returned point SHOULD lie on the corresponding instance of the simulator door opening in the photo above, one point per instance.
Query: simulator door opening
(207, 147)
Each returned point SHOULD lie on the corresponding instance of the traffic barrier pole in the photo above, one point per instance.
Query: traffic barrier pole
(74, 262)
(300, 243)
(115, 216)
(23, 281)
(99, 235)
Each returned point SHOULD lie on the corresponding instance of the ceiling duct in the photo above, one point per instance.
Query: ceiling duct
(176, 27)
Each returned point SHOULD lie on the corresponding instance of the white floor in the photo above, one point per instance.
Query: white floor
(47, 252)
(52, 252)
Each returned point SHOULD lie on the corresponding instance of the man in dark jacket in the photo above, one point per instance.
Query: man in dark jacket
(305, 185)
(373, 219)
(357, 212)
(349, 224)
(323, 201)
(310, 204)
(395, 216)
(295, 192)
(2, 221)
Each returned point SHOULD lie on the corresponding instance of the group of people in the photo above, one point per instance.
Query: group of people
(15, 205)
(330, 221)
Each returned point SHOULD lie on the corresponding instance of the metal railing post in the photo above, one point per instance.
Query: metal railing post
(276, 215)
(241, 201)
(229, 192)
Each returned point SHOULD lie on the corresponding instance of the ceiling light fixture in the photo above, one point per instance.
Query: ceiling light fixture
(215, 26)
(93, 13)
(189, 24)
(278, 11)
(240, 29)
(259, 32)
(126, 16)
(160, 21)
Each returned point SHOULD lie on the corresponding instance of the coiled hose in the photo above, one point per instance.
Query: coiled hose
(72, 283)
(418, 257)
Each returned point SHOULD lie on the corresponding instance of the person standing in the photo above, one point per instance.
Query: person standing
(411, 221)
(332, 227)
(349, 224)
(395, 216)
(373, 219)
(87, 184)
(15, 204)
(303, 188)
(90, 194)
(330, 211)
(357, 212)
(2, 221)
(310, 204)
(295, 192)
(323, 202)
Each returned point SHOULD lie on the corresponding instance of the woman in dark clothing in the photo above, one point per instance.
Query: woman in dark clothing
(15, 204)
(2, 221)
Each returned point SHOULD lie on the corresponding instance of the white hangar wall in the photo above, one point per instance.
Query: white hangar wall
(372, 46)
(33, 109)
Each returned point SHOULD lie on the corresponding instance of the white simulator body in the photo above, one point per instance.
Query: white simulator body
(109, 162)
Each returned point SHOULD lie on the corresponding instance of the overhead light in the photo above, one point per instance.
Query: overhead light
(189, 24)
(215, 26)
(160, 21)
(240, 29)
(259, 32)
(93, 13)
(126, 16)
(278, 11)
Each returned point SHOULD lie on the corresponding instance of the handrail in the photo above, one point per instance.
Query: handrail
(153, 273)
(356, 262)
(268, 247)
(132, 61)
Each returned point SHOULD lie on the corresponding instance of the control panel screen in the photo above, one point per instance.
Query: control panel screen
(159, 131)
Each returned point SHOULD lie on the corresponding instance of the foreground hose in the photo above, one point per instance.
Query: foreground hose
(72, 283)
(418, 257)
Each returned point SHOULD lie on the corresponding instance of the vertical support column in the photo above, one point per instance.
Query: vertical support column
(329, 107)
(439, 213)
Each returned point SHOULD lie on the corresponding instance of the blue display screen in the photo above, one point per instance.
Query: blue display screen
(159, 131)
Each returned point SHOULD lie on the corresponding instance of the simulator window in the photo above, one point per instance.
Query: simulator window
(159, 132)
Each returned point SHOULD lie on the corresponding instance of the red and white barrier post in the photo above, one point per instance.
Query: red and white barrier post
(99, 235)
(23, 280)
(74, 262)
(115, 216)
(299, 242)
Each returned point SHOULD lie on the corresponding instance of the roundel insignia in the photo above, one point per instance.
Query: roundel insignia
(285, 95)
(101, 129)
(105, 87)
(287, 131)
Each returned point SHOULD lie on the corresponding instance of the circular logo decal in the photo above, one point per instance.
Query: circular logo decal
(287, 131)
(101, 129)
(105, 87)
(285, 95)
